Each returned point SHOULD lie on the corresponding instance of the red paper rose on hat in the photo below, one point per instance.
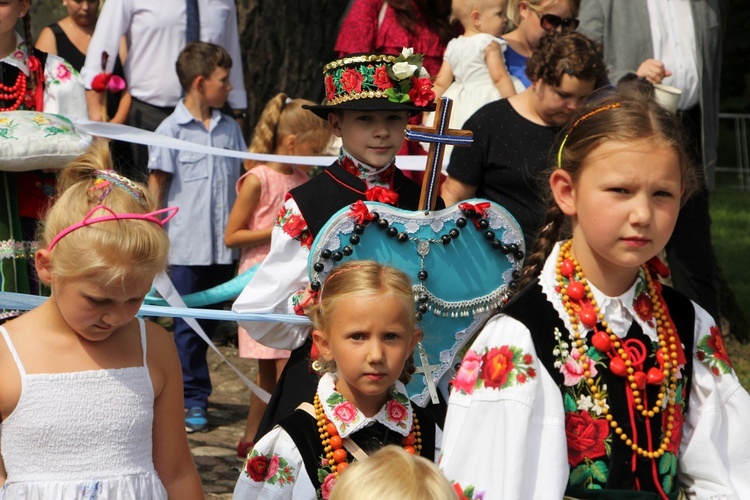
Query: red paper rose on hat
(381, 78)
(421, 93)
(351, 80)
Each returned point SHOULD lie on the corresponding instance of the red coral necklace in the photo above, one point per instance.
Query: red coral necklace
(14, 93)
(581, 306)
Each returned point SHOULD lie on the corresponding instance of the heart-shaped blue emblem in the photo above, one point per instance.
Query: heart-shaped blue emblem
(461, 260)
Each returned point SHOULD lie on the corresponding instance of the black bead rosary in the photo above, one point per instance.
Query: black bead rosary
(423, 248)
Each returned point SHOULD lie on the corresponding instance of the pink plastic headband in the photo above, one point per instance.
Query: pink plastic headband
(89, 219)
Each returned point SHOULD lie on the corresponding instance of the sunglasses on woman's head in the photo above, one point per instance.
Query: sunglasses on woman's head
(551, 22)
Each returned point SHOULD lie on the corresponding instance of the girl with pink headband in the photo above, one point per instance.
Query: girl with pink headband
(91, 396)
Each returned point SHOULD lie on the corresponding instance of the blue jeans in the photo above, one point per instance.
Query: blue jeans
(190, 347)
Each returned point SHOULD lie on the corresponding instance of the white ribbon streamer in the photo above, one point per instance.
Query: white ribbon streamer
(166, 289)
(135, 135)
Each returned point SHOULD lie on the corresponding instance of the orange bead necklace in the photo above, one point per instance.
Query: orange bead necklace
(333, 445)
(581, 306)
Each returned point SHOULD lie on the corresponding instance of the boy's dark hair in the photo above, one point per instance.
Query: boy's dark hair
(200, 59)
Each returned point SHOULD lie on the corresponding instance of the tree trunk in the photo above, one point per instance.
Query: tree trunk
(285, 44)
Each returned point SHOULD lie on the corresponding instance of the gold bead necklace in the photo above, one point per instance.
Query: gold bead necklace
(609, 343)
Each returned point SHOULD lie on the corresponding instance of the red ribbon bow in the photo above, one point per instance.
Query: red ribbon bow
(480, 209)
(381, 194)
(360, 213)
(656, 266)
(35, 101)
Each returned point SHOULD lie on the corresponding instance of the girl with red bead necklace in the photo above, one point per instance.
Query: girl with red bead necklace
(365, 330)
(36, 81)
(596, 381)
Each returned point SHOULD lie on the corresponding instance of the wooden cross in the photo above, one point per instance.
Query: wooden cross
(438, 136)
(429, 372)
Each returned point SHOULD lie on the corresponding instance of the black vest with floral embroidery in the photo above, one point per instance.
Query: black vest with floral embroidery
(303, 429)
(601, 465)
(325, 194)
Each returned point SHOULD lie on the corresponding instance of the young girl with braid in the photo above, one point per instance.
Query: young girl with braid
(36, 81)
(90, 395)
(365, 330)
(284, 128)
(596, 381)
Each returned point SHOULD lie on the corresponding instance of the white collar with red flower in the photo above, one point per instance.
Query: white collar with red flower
(620, 312)
(373, 177)
(18, 57)
(396, 414)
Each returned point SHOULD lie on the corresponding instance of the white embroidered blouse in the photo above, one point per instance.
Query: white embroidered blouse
(63, 90)
(505, 437)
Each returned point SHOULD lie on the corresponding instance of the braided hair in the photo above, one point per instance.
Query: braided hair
(283, 117)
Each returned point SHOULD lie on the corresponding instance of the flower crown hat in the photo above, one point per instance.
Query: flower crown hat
(376, 82)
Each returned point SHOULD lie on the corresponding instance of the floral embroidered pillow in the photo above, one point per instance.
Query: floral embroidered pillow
(30, 140)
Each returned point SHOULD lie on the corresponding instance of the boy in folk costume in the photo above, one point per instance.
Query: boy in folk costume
(369, 99)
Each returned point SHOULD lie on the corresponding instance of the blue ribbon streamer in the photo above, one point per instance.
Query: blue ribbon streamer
(24, 302)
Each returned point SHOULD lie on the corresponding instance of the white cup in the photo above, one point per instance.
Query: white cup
(667, 96)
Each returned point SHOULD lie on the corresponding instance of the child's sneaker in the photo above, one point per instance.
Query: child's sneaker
(196, 420)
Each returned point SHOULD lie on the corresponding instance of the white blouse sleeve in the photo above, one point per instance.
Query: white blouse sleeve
(504, 433)
(278, 281)
(274, 469)
(63, 90)
(715, 451)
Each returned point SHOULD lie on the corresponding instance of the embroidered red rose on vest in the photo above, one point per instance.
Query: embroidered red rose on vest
(585, 436)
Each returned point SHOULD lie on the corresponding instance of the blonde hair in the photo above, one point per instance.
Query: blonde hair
(389, 474)
(112, 250)
(364, 278)
(283, 117)
(514, 8)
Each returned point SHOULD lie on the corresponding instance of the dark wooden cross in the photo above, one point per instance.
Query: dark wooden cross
(438, 135)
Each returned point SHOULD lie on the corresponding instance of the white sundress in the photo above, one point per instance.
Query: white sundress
(81, 435)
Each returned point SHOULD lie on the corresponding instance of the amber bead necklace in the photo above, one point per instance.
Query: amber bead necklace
(607, 342)
(333, 445)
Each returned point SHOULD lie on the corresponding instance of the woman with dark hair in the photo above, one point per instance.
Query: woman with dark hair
(513, 136)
